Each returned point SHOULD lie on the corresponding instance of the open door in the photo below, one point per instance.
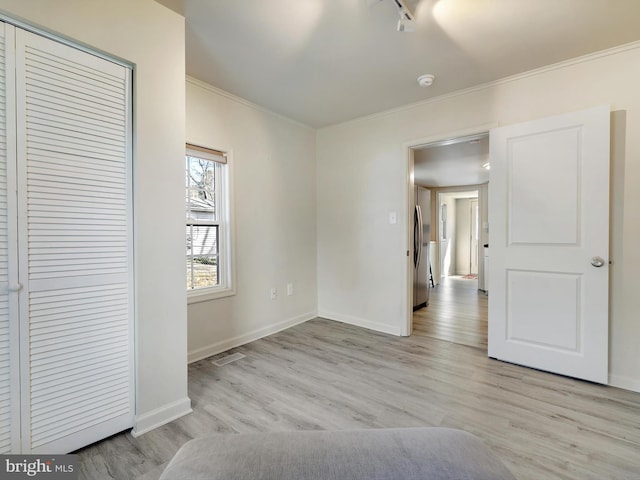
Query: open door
(549, 237)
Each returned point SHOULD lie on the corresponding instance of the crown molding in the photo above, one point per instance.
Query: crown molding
(513, 78)
(246, 103)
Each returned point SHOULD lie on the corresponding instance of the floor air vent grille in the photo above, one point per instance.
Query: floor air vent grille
(227, 359)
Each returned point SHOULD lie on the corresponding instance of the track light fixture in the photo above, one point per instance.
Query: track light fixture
(406, 23)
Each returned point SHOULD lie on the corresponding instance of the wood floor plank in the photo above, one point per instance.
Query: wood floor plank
(457, 312)
(331, 376)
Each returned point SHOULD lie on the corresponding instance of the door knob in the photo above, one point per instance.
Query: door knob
(597, 261)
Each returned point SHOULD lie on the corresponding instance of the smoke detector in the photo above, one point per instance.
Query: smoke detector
(426, 80)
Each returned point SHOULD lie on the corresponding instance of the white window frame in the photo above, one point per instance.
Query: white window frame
(226, 245)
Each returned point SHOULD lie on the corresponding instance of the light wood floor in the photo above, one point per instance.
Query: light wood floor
(328, 375)
(457, 312)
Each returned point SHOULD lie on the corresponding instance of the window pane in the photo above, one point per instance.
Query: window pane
(202, 272)
(201, 181)
(202, 240)
(202, 256)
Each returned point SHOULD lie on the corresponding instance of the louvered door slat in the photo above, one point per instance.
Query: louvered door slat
(57, 77)
(40, 183)
(45, 85)
(86, 206)
(87, 369)
(64, 323)
(62, 122)
(91, 71)
(47, 159)
(73, 134)
(101, 412)
(52, 71)
(56, 171)
(58, 167)
(63, 114)
(101, 312)
(41, 143)
(75, 197)
(105, 353)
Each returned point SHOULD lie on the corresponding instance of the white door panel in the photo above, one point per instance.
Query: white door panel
(549, 215)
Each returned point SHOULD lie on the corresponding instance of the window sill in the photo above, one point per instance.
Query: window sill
(206, 294)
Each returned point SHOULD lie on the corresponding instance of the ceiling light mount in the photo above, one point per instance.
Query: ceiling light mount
(426, 80)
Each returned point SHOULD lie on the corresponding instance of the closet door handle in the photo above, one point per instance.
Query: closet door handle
(16, 287)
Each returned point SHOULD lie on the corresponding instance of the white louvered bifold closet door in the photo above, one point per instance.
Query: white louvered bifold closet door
(75, 238)
(9, 340)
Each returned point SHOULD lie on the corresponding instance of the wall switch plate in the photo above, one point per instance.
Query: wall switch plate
(289, 289)
(393, 218)
(274, 293)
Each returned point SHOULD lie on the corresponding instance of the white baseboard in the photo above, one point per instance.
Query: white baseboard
(224, 345)
(361, 322)
(625, 383)
(156, 418)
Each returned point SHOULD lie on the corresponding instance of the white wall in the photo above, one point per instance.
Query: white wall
(362, 175)
(152, 37)
(275, 220)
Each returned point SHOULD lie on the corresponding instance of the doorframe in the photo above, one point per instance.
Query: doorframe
(409, 184)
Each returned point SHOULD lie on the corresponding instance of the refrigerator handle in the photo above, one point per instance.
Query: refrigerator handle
(418, 225)
(415, 236)
(421, 228)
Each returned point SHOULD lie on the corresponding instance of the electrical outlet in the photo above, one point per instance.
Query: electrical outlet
(274, 293)
(289, 289)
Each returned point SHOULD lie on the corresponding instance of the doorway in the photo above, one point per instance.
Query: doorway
(458, 236)
(456, 171)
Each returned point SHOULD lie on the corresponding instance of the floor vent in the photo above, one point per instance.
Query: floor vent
(228, 359)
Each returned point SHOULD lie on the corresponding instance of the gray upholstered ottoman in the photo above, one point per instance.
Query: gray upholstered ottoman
(389, 454)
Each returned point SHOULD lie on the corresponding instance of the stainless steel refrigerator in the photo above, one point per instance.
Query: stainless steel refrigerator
(421, 237)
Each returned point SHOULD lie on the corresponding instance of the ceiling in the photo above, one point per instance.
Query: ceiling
(323, 62)
(452, 163)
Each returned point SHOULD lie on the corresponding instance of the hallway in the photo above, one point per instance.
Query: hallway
(457, 313)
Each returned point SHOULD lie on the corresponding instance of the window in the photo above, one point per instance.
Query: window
(207, 222)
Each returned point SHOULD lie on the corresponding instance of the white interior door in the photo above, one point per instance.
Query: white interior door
(549, 229)
(75, 257)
